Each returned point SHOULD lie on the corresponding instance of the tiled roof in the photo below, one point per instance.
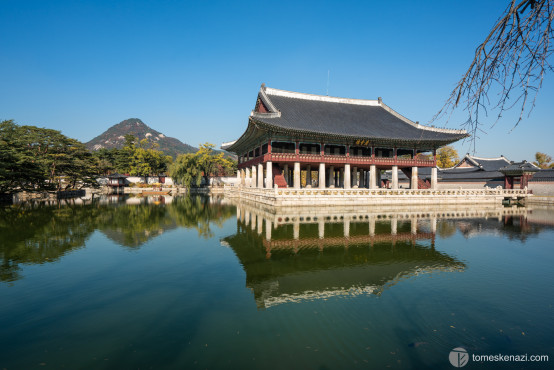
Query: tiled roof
(487, 164)
(344, 117)
(544, 175)
(519, 167)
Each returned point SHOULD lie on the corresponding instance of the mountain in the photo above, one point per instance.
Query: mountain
(114, 137)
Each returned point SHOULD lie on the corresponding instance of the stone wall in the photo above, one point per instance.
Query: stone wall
(542, 188)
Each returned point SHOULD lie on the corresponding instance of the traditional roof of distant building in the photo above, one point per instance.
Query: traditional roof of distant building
(517, 168)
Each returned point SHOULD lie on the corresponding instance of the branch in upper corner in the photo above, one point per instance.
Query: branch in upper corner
(510, 64)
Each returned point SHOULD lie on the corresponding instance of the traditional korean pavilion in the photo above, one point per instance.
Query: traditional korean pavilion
(346, 141)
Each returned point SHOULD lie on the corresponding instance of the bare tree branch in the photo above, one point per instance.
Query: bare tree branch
(510, 65)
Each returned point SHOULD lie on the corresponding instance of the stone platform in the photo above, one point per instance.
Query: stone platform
(283, 197)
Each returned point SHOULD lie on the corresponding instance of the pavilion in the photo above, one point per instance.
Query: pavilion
(346, 141)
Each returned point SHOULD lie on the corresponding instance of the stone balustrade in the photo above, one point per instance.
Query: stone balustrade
(363, 196)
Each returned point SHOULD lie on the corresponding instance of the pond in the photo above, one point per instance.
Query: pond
(199, 282)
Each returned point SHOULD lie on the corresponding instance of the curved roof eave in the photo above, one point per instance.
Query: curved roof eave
(433, 142)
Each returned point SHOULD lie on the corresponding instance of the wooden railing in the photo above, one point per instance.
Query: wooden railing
(331, 159)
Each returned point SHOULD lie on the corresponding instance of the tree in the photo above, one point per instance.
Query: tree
(188, 169)
(447, 157)
(510, 64)
(543, 160)
(38, 159)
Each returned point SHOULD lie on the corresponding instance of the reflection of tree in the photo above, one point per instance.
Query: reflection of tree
(34, 233)
(38, 234)
(199, 213)
(133, 225)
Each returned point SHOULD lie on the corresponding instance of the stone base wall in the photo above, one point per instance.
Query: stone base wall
(377, 197)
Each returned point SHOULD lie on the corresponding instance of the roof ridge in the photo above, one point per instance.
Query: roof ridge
(488, 159)
(330, 99)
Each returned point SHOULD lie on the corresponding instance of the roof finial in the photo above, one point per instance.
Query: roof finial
(380, 100)
(263, 85)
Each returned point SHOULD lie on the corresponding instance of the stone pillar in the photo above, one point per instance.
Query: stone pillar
(269, 175)
(286, 173)
(260, 176)
(321, 228)
(238, 177)
(322, 175)
(355, 177)
(346, 224)
(260, 224)
(308, 175)
(371, 226)
(268, 225)
(372, 177)
(254, 182)
(248, 181)
(395, 177)
(347, 176)
(242, 177)
(413, 184)
(434, 178)
(332, 176)
(434, 225)
(296, 175)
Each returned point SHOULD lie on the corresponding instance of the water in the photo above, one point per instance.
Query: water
(198, 282)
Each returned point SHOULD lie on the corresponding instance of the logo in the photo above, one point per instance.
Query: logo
(458, 357)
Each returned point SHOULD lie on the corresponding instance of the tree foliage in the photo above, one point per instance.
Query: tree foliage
(508, 67)
(543, 160)
(39, 159)
(189, 169)
(447, 157)
(137, 158)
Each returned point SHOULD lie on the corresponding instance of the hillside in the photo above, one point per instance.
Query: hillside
(114, 137)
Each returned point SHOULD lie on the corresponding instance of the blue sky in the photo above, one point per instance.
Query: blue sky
(192, 70)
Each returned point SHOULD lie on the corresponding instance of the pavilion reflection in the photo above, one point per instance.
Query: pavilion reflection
(292, 255)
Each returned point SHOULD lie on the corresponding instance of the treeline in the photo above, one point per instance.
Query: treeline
(36, 159)
(136, 158)
(40, 159)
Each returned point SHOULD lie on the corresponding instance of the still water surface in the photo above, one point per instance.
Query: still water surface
(194, 282)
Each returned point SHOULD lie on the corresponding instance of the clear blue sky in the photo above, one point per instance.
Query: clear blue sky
(192, 69)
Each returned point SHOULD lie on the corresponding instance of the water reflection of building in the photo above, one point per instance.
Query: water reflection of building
(295, 254)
